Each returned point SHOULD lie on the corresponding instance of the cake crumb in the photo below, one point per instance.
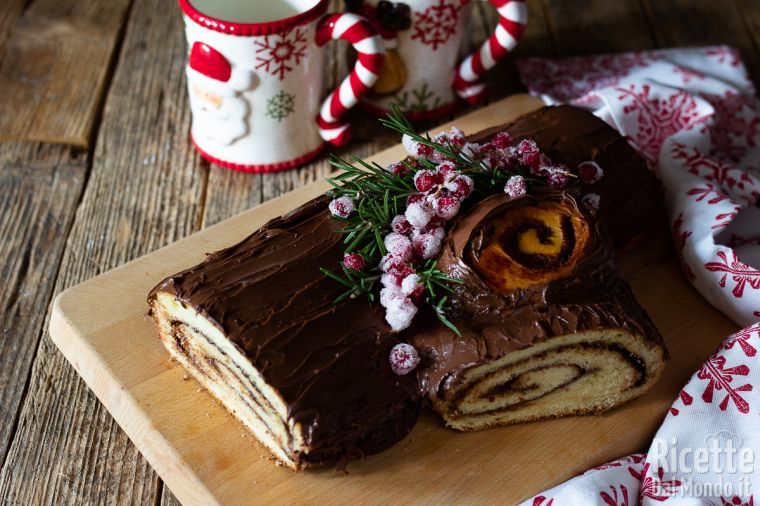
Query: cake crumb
(186, 377)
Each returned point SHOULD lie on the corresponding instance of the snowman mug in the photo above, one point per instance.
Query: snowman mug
(255, 79)
(422, 73)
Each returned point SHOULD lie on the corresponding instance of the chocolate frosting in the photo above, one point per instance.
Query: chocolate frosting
(494, 324)
(328, 361)
(630, 194)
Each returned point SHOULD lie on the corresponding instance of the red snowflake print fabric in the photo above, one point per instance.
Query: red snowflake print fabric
(279, 53)
(693, 115)
(435, 25)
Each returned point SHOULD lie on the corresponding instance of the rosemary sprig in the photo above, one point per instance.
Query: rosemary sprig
(380, 194)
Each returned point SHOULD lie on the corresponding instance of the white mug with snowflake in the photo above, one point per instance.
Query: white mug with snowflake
(255, 79)
(424, 72)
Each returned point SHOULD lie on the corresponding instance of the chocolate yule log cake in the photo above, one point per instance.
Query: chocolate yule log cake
(255, 324)
(547, 327)
(308, 330)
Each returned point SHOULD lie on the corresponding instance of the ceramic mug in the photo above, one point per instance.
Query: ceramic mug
(255, 79)
(425, 39)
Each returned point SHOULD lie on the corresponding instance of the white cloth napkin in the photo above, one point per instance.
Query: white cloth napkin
(693, 115)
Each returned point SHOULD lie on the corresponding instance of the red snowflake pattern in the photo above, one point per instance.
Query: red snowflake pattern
(729, 177)
(654, 487)
(724, 54)
(572, 78)
(679, 239)
(743, 275)
(719, 378)
(279, 53)
(539, 501)
(735, 126)
(687, 74)
(742, 339)
(615, 499)
(737, 501)
(725, 219)
(702, 194)
(436, 24)
(685, 398)
(657, 118)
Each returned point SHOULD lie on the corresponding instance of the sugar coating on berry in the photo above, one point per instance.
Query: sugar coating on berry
(590, 172)
(501, 140)
(410, 145)
(397, 168)
(557, 175)
(427, 246)
(447, 170)
(400, 224)
(342, 207)
(471, 150)
(425, 180)
(354, 261)
(591, 202)
(398, 246)
(516, 186)
(461, 186)
(456, 136)
(414, 198)
(412, 286)
(404, 359)
(527, 146)
(399, 314)
(388, 293)
(418, 214)
(424, 150)
(446, 207)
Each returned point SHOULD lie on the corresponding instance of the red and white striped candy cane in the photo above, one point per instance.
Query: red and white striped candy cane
(370, 54)
(513, 16)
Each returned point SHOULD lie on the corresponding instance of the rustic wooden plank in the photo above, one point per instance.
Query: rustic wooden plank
(701, 23)
(55, 69)
(40, 187)
(9, 14)
(145, 190)
(597, 26)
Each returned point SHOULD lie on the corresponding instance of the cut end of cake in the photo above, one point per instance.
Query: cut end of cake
(203, 350)
(578, 374)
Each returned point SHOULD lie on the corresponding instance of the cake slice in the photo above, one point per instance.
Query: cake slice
(547, 327)
(256, 326)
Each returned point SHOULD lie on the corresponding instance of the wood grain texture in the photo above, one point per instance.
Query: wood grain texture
(9, 14)
(585, 27)
(703, 22)
(41, 186)
(56, 64)
(207, 456)
(145, 190)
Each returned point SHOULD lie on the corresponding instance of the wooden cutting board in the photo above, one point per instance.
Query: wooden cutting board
(205, 456)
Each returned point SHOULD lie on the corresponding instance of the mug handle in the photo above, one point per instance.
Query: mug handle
(513, 16)
(370, 55)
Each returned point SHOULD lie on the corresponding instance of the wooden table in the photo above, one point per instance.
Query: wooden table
(96, 169)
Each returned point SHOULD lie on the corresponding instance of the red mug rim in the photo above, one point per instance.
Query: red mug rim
(249, 29)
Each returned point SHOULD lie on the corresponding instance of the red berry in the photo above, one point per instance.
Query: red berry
(398, 168)
(403, 358)
(425, 180)
(447, 170)
(557, 176)
(515, 186)
(527, 146)
(400, 224)
(354, 261)
(531, 159)
(446, 207)
(424, 150)
(590, 172)
(414, 198)
(502, 140)
(461, 187)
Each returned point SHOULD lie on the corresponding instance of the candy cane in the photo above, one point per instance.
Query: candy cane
(370, 55)
(513, 16)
